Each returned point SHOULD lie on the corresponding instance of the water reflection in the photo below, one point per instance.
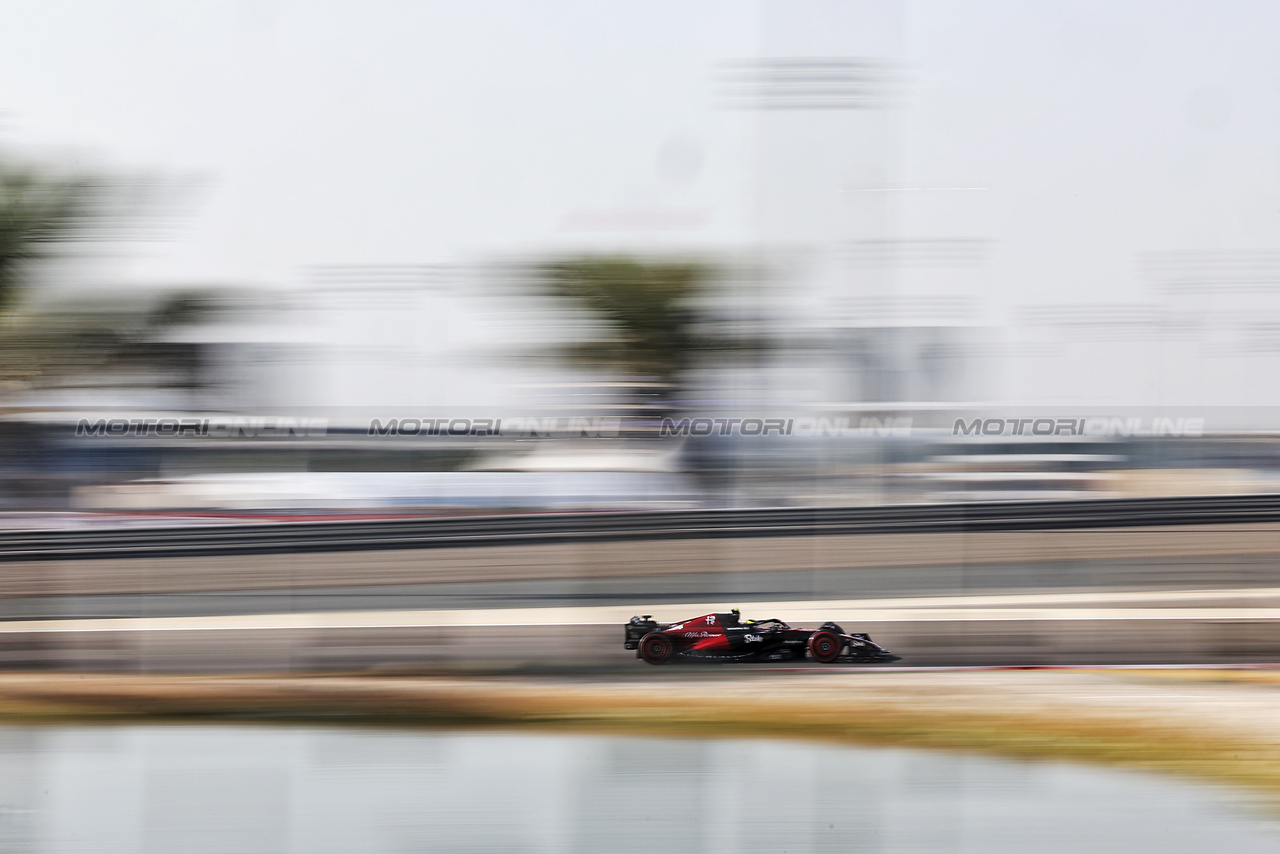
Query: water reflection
(250, 789)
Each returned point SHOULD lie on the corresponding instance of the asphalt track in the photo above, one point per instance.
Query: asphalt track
(487, 531)
(1208, 626)
(550, 639)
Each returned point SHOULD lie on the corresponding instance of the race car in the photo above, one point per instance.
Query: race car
(727, 637)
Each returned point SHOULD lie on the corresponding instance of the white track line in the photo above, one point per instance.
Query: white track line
(849, 612)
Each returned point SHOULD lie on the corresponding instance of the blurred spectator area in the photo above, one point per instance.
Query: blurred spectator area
(47, 467)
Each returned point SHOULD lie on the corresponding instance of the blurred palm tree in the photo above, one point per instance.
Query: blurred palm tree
(659, 318)
(43, 211)
(647, 308)
(39, 209)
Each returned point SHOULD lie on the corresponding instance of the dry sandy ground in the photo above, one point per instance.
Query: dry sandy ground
(1216, 724)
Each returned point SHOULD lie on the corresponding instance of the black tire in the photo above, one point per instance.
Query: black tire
(657, 648)
(825, 647)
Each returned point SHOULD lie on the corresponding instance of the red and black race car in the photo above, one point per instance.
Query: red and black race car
(727, 637)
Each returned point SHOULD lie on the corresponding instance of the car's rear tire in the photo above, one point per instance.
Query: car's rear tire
(825, 647)
(656, 648)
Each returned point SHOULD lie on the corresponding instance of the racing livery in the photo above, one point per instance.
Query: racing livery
(727, 637)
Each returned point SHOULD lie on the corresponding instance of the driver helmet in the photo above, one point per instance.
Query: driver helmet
(737, 615)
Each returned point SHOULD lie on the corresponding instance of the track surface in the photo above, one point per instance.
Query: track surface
(310, 537)
(1206, 626)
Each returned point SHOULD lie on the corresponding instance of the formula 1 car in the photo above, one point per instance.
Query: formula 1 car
(726, 637)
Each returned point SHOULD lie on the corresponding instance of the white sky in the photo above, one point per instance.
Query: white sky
(413, 131)
(419, 132)
(384, 132)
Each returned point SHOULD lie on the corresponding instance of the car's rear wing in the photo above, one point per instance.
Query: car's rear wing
(638, 627)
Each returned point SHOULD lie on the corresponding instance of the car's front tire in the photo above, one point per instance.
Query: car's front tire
(657, 648)
(825, 647)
